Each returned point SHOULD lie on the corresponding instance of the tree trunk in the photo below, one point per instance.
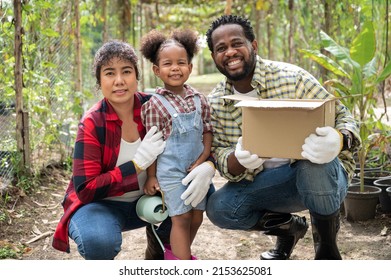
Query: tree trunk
(292, 28)
(327, 29)
(78, 85)
(228, 7)
(104, 17)
(125, 20)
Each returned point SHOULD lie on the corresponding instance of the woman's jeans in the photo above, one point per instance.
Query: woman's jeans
(289, 188)
(97, 228)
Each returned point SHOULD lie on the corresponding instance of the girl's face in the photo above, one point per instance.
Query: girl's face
(173, 68)
(118, 81)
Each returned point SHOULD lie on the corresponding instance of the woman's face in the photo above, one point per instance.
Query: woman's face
(118, 81)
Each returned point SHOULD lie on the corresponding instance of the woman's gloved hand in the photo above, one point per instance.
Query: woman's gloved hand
(151, 146)
(323, 146)
(200, 179)
(245, 158)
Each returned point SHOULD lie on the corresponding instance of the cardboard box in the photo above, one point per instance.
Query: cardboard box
(278, 127)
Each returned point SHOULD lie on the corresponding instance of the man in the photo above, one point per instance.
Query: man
(261, 193)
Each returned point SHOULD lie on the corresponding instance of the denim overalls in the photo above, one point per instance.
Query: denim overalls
(183, 147)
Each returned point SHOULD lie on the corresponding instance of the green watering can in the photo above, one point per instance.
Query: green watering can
(151, 209)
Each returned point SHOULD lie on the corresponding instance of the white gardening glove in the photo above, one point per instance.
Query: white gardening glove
(151, 146)
(323, 146)
(199, 178)
(245, 158)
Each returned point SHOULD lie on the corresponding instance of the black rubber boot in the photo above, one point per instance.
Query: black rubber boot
(154, 250)
(324, 232)
(287, 227)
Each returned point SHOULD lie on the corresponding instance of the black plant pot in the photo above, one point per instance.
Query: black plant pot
(354, 182)
(384, 197)
(371, 176)
(361, 206)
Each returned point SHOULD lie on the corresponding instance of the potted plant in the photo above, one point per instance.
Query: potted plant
(385, 196)
(356, 83)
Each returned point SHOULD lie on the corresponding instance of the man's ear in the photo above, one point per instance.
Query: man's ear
(156, 70)
(212, 55)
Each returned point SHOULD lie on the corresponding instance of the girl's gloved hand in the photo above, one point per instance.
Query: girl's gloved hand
(200, 179)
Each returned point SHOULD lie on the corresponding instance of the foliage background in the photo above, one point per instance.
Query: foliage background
(55, 99)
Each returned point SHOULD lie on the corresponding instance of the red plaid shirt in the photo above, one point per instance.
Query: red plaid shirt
(155, 114)
(95, 174)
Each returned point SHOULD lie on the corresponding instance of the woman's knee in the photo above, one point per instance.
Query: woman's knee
(99, 247)
(101, 243)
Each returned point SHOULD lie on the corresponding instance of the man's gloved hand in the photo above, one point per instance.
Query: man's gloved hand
(245, 158)
(199, 178)
(151, 146)
(323, 146)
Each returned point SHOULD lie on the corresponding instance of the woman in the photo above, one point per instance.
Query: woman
(112, 152)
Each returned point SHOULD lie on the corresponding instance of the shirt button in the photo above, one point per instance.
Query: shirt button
(175, 115)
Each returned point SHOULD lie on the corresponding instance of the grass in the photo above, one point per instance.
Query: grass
(213, 79)
(205, 83)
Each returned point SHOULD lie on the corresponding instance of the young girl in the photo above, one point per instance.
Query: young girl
(183, 115)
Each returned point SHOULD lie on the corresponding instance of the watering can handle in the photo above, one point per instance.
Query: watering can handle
(164, 206)
(153, 227)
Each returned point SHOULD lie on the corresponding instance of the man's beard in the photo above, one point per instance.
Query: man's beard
(248, 67)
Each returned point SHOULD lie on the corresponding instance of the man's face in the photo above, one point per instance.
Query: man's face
(233, 54)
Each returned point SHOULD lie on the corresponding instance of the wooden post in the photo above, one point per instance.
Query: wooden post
(26, 140)
(18, 73)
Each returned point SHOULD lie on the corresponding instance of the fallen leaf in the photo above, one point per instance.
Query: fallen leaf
(384, 231)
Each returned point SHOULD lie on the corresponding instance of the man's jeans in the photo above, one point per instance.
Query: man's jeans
(289, 188)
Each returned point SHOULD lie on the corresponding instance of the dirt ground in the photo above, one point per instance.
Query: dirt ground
(31, 221)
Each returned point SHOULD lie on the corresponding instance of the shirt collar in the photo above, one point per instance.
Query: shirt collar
(188, 89)
(112, 115)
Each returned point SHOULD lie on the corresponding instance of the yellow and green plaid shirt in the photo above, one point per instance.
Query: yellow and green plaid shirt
(276, 80)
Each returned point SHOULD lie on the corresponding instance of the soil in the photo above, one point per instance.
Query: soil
(30, 221)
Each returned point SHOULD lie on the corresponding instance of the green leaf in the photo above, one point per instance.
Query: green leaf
(325, 62)
(364, 45)
(334, 48)
(370, 68)
(50, 32)
(48, 64)
(385, 73)
(342, 89)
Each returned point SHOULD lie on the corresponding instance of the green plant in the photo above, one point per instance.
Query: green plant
(6, 252)
(357, 75)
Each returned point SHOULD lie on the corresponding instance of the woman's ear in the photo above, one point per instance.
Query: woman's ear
(255, 45)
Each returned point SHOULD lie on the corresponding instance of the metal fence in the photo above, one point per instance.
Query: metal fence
(49, 97)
